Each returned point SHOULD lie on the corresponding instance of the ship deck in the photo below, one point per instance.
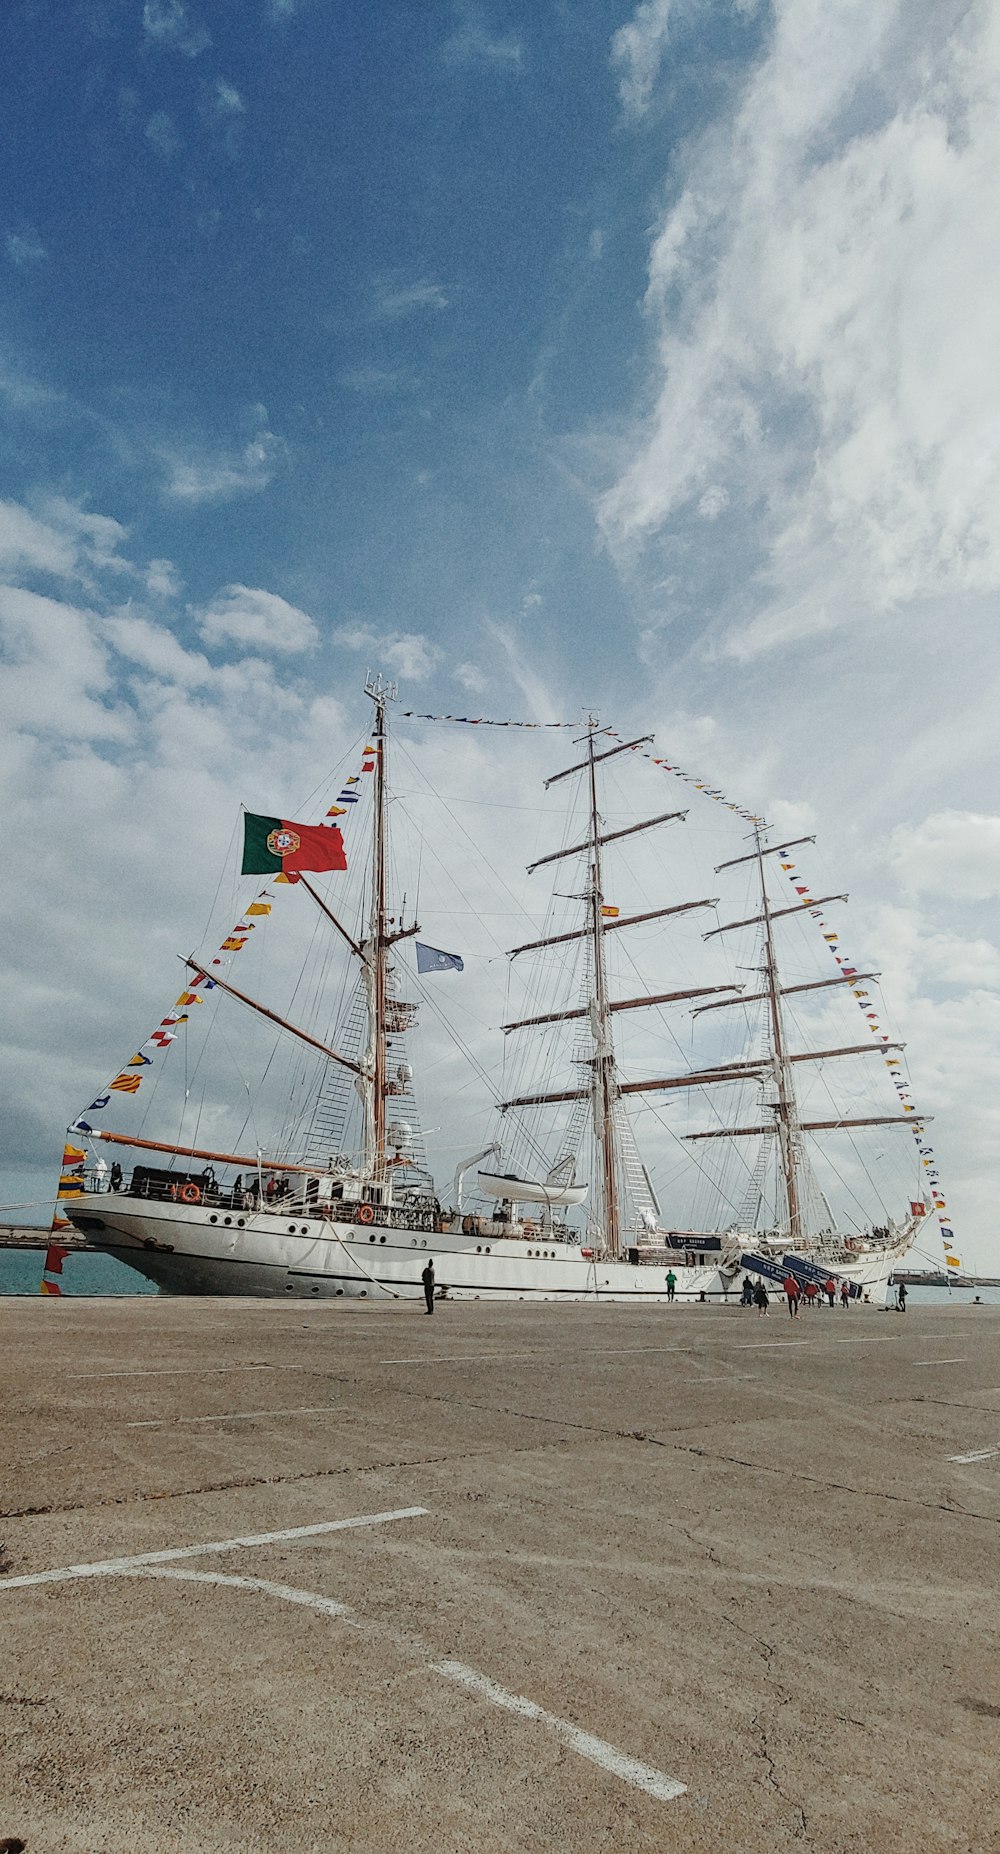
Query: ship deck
(523, 1577)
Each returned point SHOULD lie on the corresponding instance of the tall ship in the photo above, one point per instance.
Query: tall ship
(650, 1127)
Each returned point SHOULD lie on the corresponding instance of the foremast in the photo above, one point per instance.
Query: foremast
(374, 950)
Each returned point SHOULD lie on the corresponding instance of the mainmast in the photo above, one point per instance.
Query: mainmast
(784, 1107)
(604, 1091)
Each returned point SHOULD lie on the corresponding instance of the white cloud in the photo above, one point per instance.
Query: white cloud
(394, 300)
(170, 23)
(950, 852)
(218, 477)
(261, 620)
(55, 679)
(161, 133)
(471, 679)
(411, 655)
(822, 290)
(64, 540)
(228, 101)
(162, 579)
(156, 649)
(25, 248)
(474, 41)
(713, 502)
(638, 48)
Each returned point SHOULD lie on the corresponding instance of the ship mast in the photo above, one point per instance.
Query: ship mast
(604, 1090)
(375, 950)
(785, 1108)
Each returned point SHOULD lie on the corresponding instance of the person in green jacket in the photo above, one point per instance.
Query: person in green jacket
(671, 1283)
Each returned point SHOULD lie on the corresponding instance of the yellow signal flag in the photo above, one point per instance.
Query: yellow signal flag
(188, 997)
(611, 914)
(126, 1084)
(259, 907)
(335, 811)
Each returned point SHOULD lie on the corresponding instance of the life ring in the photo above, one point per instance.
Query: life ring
(365, 1213)
(189, 1194)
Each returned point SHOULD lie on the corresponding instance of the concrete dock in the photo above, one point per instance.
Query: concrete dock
(525, 1578)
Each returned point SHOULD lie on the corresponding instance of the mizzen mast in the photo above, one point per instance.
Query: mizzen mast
(785, 1107)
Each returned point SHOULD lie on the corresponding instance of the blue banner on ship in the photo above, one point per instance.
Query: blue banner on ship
(797, 1266)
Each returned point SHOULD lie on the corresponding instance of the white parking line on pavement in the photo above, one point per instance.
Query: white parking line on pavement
(286, 1592)
(236, 1416)
(629, 1769)
(978, 1454)
(110, 1567)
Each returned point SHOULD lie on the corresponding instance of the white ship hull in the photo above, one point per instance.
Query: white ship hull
(264, 1254)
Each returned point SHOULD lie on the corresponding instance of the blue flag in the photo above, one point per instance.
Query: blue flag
(431, 959)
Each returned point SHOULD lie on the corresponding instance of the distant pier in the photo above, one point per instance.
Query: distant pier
(31, 1236)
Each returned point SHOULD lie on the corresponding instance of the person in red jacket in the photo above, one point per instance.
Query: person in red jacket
(830, 1289)
(812, 1294)
(791, 1288)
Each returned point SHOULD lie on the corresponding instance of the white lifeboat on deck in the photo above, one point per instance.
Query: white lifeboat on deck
(530, 1190)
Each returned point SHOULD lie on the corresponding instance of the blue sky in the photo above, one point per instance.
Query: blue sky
(552, 356)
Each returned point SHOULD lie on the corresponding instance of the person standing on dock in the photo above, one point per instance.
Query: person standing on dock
(901, 1297)
(812, 1294)
(760, 1299)
(791, 1288)
(845, 1294)
(830, 1289)
(671, 1283)
(428, 1280)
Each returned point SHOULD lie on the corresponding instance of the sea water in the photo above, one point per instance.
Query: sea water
(84, 1272)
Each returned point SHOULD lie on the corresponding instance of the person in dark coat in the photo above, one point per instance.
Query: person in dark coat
(760, 1299)
(428, 1280)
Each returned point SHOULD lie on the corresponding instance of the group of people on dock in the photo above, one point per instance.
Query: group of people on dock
(756, 1295)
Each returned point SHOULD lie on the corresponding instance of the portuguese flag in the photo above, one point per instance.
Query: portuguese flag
(274, 846)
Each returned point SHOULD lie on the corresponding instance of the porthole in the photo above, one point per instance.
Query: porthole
(487, 1248)
(213, 1219)
(240, 1223)
(340, 1290)
(291, 1229)
(304, 1231)
(315, 1290)
(371, 1239)
(227, 1220)
(479, 1248)
(423, 1242)
(381, 1239)
(289, 1286)
(364, 1294)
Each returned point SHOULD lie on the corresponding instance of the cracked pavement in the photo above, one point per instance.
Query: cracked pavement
(742, 1560)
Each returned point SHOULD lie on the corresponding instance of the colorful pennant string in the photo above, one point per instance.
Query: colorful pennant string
(895, 1067)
